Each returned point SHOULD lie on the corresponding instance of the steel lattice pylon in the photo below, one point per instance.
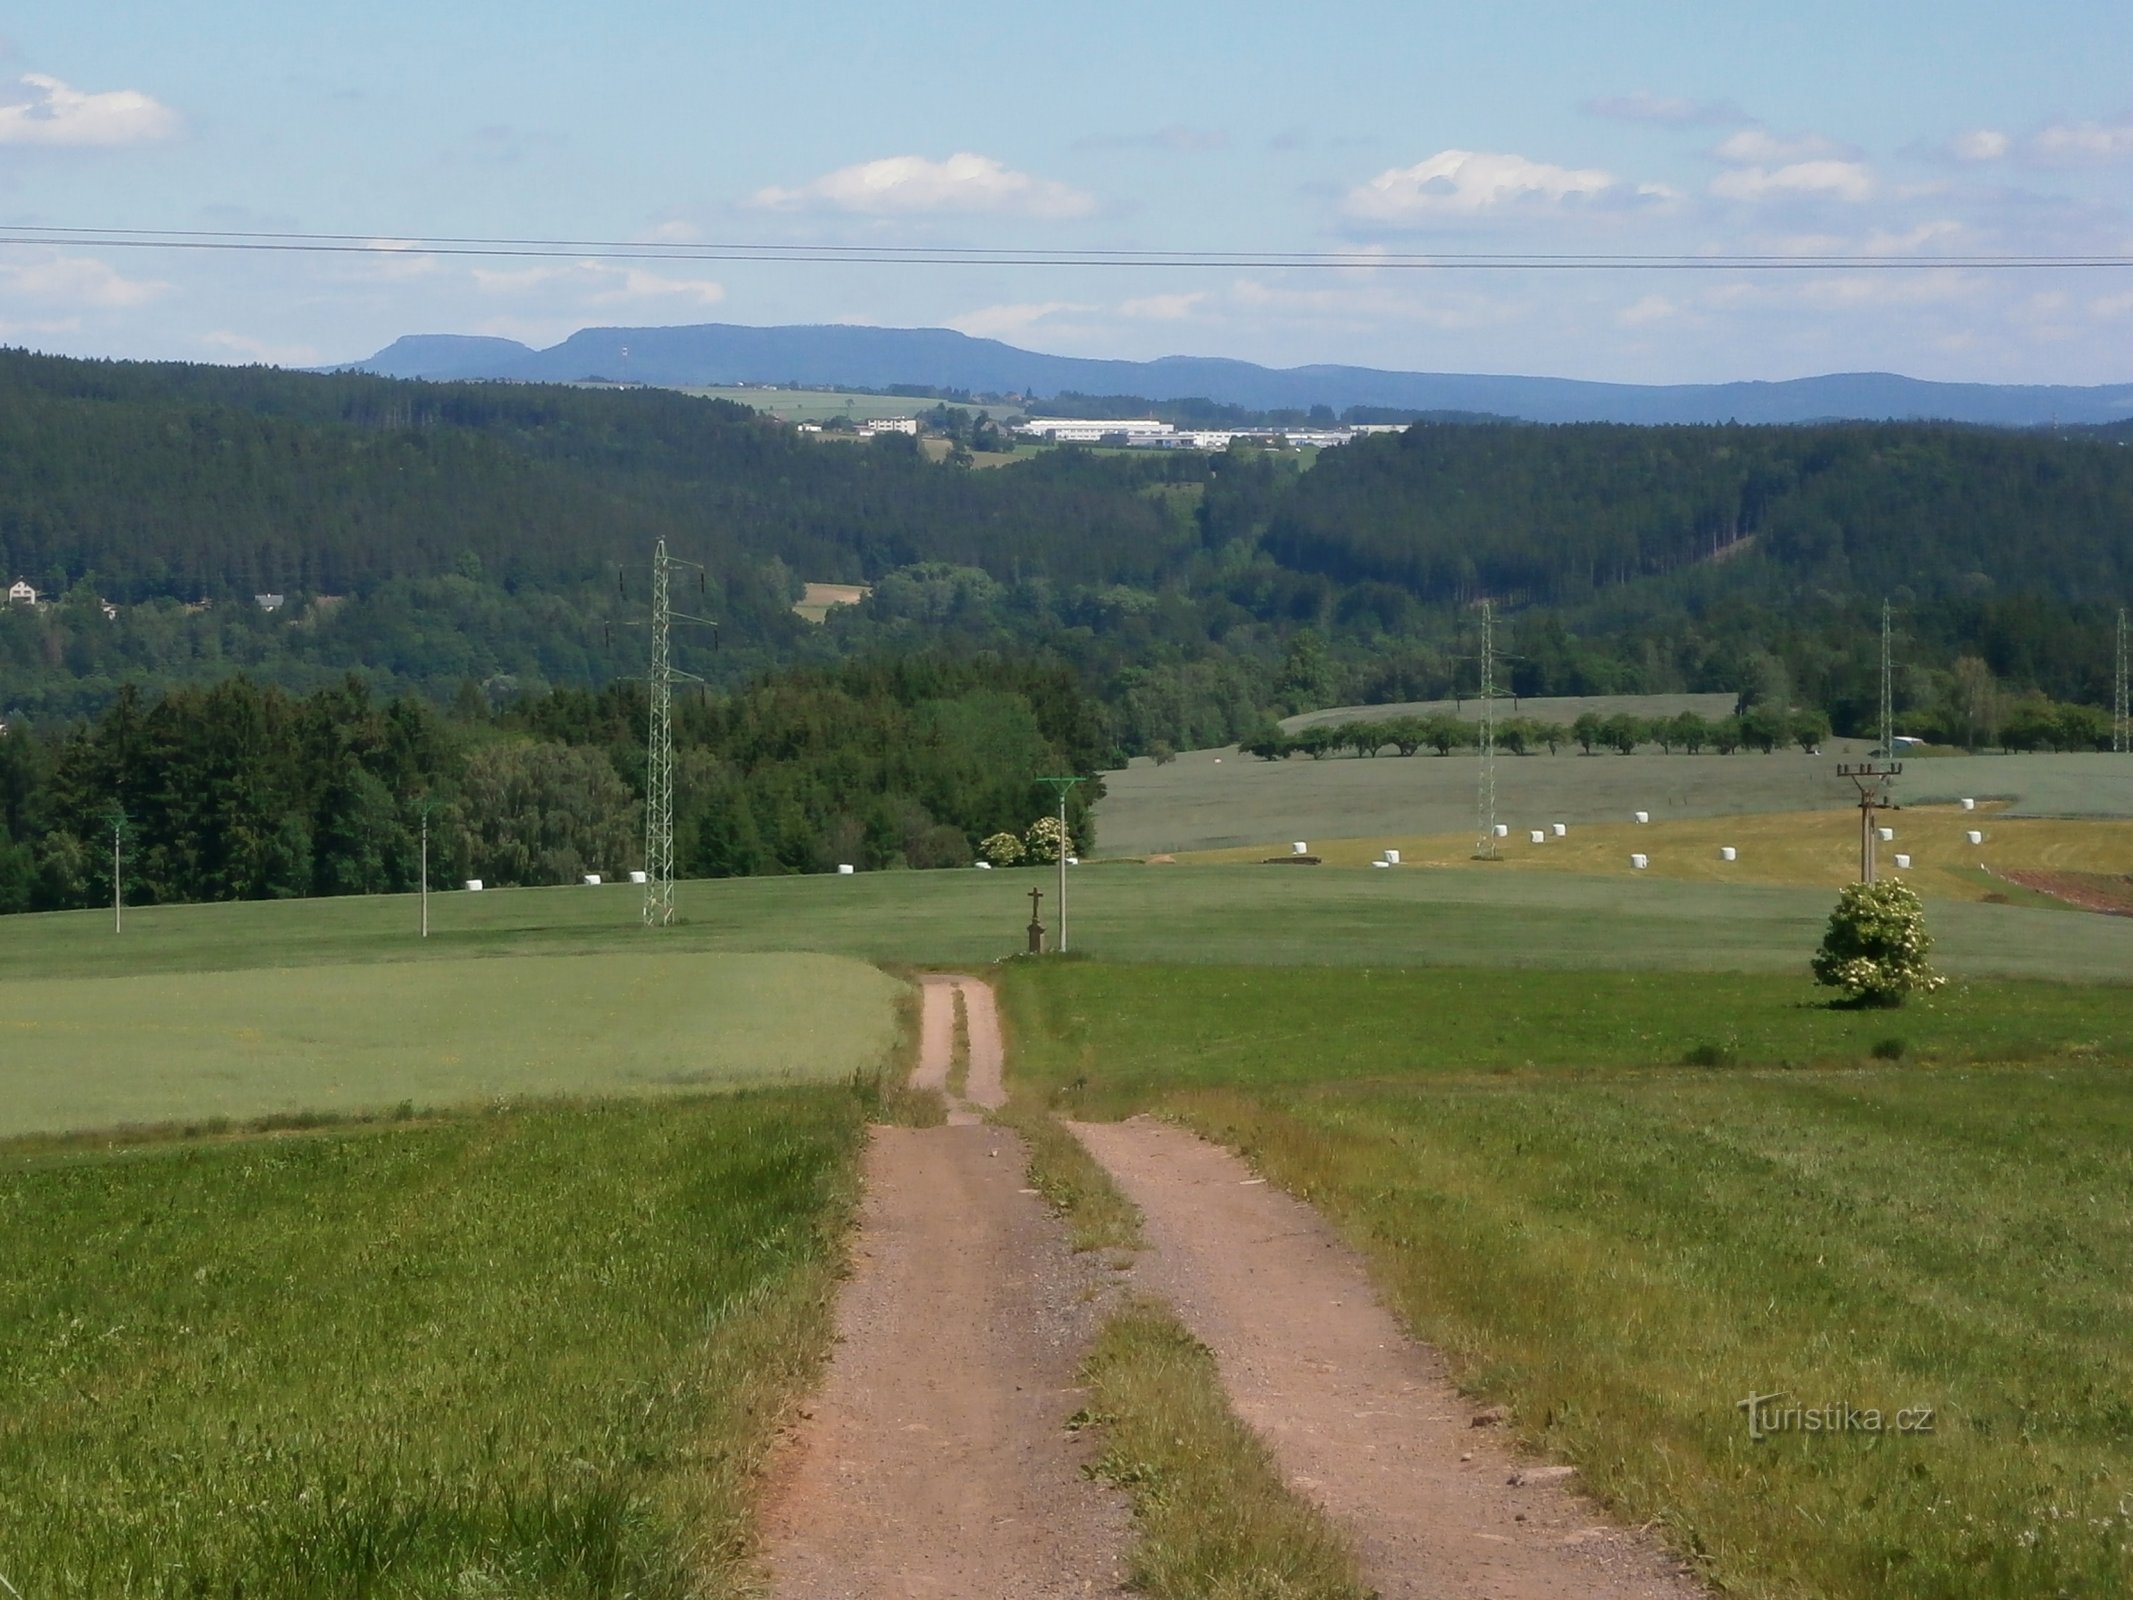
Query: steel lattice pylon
(1485, 801)
(1888, 697)
(2122, 700)
(659, 756)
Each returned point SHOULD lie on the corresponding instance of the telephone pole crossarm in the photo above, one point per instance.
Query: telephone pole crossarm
(1873, 780)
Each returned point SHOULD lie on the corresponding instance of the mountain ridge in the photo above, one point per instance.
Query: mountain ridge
(843, 355)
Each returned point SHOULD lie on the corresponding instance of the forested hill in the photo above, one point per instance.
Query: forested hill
(490, 539)
(1532, 515)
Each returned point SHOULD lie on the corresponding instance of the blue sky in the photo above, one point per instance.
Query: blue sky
(1885, 132)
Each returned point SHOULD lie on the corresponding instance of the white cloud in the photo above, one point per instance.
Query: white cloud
(1979, 144)
(396, 260)
(74, 281)
(1841, 180)
(52, 113)
(2112, 305)
(636, 284)
(997, 322)
(1760, 147)
(1652, 308)
(1641, 105)
(913, 185)
(600, 283)
(1881, 242)
(1472, 182)
(1164, 307)
(2082, 141)
(261, 350)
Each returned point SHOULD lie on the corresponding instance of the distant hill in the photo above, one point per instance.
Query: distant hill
(877, 358)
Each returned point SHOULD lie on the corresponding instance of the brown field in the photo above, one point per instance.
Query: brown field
(816, 602)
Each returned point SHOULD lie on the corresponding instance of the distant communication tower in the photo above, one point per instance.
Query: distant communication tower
(2122, 704)
(1888, 697)
(1485, 803)
(659, 742)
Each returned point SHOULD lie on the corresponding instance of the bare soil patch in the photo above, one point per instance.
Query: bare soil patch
(1362, 1419)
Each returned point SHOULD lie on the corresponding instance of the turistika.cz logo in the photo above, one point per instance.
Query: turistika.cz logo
(1768, 1416)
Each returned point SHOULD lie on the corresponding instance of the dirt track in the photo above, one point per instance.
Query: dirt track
(1361, 1418)
(935, 1461)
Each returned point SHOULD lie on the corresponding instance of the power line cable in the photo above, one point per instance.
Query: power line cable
(392, 245)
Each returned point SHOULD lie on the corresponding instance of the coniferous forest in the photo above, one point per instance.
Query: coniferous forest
(280, 613)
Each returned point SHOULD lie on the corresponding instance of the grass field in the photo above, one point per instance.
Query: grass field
(93, 1052)
(1262, 916)
(819, 405)
(1622, 1248)
(506, 1354)
(1217, 799)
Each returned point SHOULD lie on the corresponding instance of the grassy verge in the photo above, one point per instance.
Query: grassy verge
(1213, 1515)
(885, 1092)
(959, 1050)
(1624, 1252)
(524, 1352)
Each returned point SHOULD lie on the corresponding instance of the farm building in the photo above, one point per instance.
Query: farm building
(21, 593)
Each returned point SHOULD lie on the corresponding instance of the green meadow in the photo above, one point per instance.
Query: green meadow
(1887, 1211)
(95, 1052)
(1279, 916)
(520, 1353)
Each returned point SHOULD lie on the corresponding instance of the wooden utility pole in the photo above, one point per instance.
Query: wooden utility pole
(1872, 779)
(1036, 928)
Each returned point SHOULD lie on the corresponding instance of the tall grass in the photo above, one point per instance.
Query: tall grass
(536, 1352)
(1624, 1252)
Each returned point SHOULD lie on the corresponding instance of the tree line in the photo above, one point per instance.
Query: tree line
(245, 791)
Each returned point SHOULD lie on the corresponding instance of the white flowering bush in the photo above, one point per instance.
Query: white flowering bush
(1046, 840)
(1876, 945)
(1001, 849)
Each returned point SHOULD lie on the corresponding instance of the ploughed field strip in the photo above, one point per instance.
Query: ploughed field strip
(1361, 1418)
(936, 1460)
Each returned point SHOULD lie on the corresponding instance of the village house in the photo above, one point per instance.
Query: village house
(20, 593)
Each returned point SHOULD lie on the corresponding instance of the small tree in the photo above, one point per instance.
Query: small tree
(1046, 840)
(1875, 947)
(1002, 850)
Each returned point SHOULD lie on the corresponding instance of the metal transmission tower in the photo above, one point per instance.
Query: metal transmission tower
(1888, 699)
(659, 742)
(2122, 703)
(1485, 802)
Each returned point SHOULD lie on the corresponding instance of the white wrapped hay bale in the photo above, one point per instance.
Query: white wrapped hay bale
(1903, 862)
(1536, 836)
(1640, 862)
(474, 886)
(1975, 836)
(1642, 816)
(1726, 852)
(1561, 829)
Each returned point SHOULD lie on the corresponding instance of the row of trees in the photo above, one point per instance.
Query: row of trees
(1762, 728)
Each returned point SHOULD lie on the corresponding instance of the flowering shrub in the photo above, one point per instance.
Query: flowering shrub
(1001, 849)
(1046, 840)
(1875, 948)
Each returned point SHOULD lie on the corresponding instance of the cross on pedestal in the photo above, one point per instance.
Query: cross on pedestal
(1036, 928)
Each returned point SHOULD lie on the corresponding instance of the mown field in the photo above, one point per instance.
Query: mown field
(1219, 799)
(1817, 848)
(521, 1353)
(1623, 1248)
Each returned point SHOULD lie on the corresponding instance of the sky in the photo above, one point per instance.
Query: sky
(1866, 137)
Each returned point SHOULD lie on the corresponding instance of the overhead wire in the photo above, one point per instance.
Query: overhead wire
(904, 254)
